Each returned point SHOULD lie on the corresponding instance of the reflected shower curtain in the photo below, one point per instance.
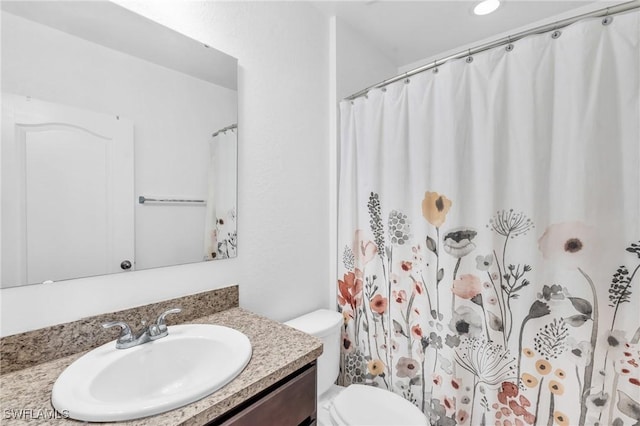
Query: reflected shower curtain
(489, 233)
(220, 229)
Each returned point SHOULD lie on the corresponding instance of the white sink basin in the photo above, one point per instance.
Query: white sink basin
(109, 384)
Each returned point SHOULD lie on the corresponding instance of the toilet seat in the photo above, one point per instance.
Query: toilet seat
(360, 405)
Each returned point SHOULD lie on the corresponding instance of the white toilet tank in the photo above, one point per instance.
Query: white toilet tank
(325, 325)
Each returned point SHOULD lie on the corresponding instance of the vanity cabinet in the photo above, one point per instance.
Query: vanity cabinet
(289, 402)
(277, 387)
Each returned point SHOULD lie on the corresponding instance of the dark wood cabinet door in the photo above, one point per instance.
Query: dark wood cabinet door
(290, 402)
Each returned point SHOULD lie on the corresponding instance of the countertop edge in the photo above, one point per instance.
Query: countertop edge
(276, 354)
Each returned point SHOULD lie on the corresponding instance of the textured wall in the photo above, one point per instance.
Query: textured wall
(359, 62)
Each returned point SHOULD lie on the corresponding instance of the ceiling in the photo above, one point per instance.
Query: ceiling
(405, 32)
(409, 31)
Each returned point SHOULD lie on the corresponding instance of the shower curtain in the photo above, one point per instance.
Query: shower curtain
(489, 233)
(220, 228)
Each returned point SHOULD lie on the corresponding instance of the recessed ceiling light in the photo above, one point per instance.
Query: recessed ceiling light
(486, 7)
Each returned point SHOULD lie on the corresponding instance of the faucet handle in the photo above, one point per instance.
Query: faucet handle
(161, 321)
(125, 334)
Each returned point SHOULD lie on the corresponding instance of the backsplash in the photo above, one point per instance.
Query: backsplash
(46, 344)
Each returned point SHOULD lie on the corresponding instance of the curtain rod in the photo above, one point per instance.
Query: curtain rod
(620, 8)
(224, 129)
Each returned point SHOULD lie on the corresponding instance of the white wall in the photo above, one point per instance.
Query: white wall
(359, 62)
(283, 263)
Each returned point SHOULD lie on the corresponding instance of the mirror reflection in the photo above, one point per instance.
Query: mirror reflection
(119, 144)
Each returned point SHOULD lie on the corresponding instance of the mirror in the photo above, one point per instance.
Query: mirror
(119, 144)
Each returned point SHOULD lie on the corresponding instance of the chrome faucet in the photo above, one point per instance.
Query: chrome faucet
(128, 339)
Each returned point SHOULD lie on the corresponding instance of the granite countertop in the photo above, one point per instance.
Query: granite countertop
(278, 351)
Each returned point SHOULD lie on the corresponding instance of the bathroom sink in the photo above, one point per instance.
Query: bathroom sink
(109, 384)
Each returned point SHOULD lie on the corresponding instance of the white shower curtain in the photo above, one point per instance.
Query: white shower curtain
(220, 220)
(489, 233)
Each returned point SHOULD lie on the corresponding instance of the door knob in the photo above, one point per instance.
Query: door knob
(125, 265)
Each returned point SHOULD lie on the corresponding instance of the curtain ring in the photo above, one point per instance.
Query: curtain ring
(607, 19)
(469, 58)
(435, 67)
(509, 47)
(556, 34)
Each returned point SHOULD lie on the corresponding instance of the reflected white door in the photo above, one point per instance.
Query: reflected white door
(67, 192)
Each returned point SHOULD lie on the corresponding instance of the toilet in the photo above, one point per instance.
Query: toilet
(355, 405)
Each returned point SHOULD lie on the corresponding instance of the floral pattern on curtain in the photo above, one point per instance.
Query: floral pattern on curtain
(489, 219)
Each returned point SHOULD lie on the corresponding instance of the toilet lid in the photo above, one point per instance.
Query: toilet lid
(367, 405)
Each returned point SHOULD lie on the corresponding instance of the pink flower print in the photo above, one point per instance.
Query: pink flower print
(350, 289)
(416, 331)
(456, 383)
(417, 288)
(462, 416)
(399, 296)
(449, 404)
(437, 379)
(569, 244)
(467, 286)
(364, 250)
(379, 304)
